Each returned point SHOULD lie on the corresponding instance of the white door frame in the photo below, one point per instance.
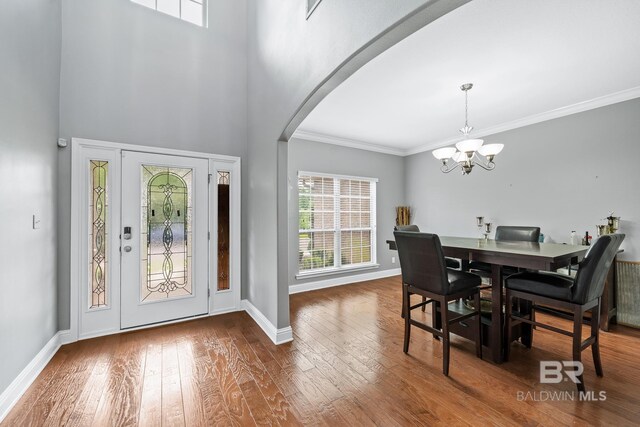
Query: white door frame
(227, 301)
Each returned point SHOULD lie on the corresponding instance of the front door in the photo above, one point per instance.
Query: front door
(164, 229)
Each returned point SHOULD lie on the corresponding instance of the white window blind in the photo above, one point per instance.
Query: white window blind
(337, 222)
(194, 11)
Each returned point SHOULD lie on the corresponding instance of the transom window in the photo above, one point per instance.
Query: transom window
(337, 222)
(311, 6)
(193, 11)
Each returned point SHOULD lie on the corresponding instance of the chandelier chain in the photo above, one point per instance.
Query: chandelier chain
(466, 108)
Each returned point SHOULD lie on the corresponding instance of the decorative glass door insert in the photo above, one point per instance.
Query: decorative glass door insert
(223, 182)
(98, 259)
(166, 227)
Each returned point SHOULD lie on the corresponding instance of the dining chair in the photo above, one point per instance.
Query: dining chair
(578, 295)
(512, 234)
(450, 262)
(424, 273)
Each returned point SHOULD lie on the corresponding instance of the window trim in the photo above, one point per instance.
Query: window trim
(373, 212)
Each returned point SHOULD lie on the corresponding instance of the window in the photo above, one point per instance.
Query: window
(193, 11)
(337, 222)
(311, 6)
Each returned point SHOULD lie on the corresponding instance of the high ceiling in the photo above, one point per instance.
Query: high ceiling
(529, 61)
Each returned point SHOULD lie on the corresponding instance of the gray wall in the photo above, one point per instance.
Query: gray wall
(564, 174)
(290, 56)
(133, 75)
(29, 88)
(325, 158)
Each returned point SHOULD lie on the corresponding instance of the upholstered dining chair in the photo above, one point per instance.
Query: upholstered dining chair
(450, 262)
(424, 273)
(508, 233)
(578, 295)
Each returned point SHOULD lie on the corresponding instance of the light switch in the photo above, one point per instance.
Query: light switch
(36, 221)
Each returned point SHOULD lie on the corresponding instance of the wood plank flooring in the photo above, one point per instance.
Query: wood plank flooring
(345, 367)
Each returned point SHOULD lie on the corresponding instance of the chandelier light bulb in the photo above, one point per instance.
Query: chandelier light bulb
(444, 153)
(490, 149)
(469, 145)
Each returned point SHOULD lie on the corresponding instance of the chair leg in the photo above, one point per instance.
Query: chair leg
(507, 325)
(424, 307)
(407, 317)
(525, 307)
(444, 315)
(435, 319)
(595, 332)
(476, 299)
(404, 297)
(533, 319)
(577, 343)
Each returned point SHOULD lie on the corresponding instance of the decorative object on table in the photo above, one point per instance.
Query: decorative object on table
(611, 227)
(586, 240)
(468, 152)
(613, 223)
(487, 230)
(541, 238)
(573, 238)
(480, 223)
(403, 215)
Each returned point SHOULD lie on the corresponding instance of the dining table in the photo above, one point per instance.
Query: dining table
(521, 255)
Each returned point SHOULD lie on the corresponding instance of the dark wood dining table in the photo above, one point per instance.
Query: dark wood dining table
(526, 255)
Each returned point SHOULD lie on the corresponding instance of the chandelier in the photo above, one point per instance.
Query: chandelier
(468, 152)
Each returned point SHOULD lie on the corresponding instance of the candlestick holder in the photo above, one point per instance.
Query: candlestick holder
(487, 230)
(480, 223)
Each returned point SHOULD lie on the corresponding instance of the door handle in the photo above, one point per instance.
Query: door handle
(127, 248)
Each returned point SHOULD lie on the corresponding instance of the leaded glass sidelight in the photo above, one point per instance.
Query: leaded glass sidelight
(98, 212)
(166, 233)
(223, 230)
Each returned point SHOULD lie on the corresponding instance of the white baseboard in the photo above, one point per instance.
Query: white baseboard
(338, 281)
(65, 337)
(219, 311)
(17, 388)
(278, 336)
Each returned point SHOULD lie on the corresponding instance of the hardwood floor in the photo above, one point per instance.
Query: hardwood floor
(345, 367)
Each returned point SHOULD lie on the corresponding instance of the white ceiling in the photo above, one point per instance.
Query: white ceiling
(529, 61)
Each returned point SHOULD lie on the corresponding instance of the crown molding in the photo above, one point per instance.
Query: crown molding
(602, 101)
(345, 142)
